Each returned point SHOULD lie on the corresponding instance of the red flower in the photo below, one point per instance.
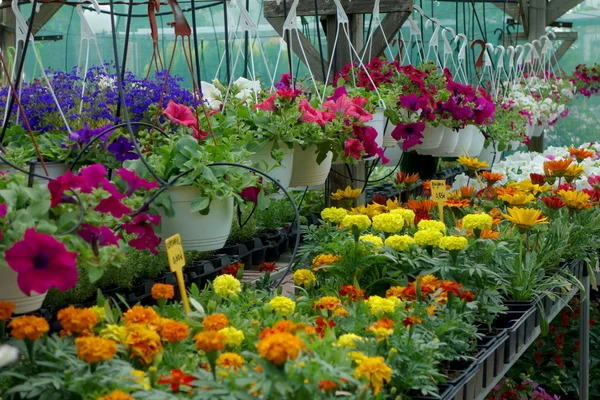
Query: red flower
(231, 269)
(354, 148)
(176, 379)
(268, 104)
(410, 321)
(267, 267)
(310, 114)
(351, 292)
(135, 182)
(180, 114)
(467, 296)
(553, 202)
(380, 199)
(93, 177)
(322, 325)
(42, 262)
(58, 186)
(141, 225)
(251, 194)
(451, 286)
(113, 206)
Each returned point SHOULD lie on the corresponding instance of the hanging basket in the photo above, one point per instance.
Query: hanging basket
(448, 145)
(378, 123)
(198, 232)
(465, 137)
(9, 291)
(306, 171)
(487, 155)
(55, 169)
(394, 153)
(282, 173)
(432, 137)
(537, 131)
(477, 141)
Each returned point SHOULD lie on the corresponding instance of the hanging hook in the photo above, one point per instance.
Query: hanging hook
(479, 59)
(434, 41)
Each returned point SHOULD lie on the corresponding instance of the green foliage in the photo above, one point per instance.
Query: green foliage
(247, 231)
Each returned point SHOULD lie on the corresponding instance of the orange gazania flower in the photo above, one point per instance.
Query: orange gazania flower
(556, 167)
(406, 179)
(28, 327)
(457, 203)
(325, 385)
(421, 205)
(140, 315)
(215, 322)
(174, 331)
(501, 191)
(409, 321)
(116, 395)
(176, 379)
(94, 349)
(6, 310)
(267, 267)
(467, 191)
(491, 177)
(496, 215)
(163, 291)
(580, 154)
(279, 347)
(489, 234)
(77, 319)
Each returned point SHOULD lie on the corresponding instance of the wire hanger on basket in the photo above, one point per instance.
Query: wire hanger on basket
(434, 41)
(448, 50)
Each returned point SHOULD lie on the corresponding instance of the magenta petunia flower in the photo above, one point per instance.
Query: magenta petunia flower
(413, 102)
(412, 134)
(98, 236)
(141, 225)
(337, 93)
(180, 114)
(354, 148)
(94, 177)
(42, 262)
(3, 210)
(268, 104)
(135, 182)
(251, 194)
(58, 186)
(113, 206)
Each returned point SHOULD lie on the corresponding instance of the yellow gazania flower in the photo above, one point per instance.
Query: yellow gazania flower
(518, 199)
(529, 187)
(525, 218)
(346, 194)
(392, 204)
(573, 171)
(370, 210)
(574, 199)
(472, 163)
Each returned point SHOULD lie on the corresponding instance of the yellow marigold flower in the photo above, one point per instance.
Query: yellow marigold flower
(361, 222)
(451, 243)
(407, 215)
(279, 347)
(518, 199)
(115, 332)
(100, 313)
(580, 154)
(226, 286)
(395, 291)
(380, 332)
(349, 340)
(141, 379)
(6, 310)
(77, 319)
(143, 343)
(428, 237)
(231, 361)
(346, 194)
(341, 312)
(477, 221)
(210, 341)
(373, 239)
(574, 199)
(304, 278)
(399, 243)
(431, 309)
(472, 163)
(324, 259)
(388, 223)
(116, 395)
(357, 357)
(215, 322)
(163, 291)
(28, 327)
(327, 303)
(376, 371)
(283, 305)
(379, 305)
(174, 331)
(525, 218)
(334, 215)
(432, 224)
(92, 349)
(431, 282)
(233, 337)
(140, 315)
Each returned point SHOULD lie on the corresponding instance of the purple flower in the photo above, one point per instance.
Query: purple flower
(122, 149)
(85, 135)
(98, 236)
(135, 182)
(412, 102)
(113, 206)
(141, 225)
(412, 134)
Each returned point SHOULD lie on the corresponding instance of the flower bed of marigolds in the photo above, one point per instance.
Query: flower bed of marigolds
(389, 302)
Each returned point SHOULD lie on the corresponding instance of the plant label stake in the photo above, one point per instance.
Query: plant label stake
(439, 195)
(176, 263)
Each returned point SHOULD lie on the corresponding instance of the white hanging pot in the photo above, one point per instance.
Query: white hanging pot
(488, 153)
(537, 131)
(388, 140)
(432, 137)
(448, 144)
(529, 130)
(477, 141)
(465, 137)
(198, 232)
(514, 144)
(55, 169)
(394, 154)
(9, 291)
(282, 173)
(378, 123)
(306, 171)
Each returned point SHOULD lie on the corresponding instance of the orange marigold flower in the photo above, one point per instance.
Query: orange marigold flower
(28, 327)
(467, 296)
(230, 361)
(280, 327)
(467, 191)
(209, 341)
(396, 291)
(215, 322)
(163, 291)
(324, 259)
(116, 395)
(325, 384)
(351, 292)
(431, 309)
(140, 315)
(174, 331)
(457, 203)
(143, 343)
(77, 319)
(556, 167)
(431, 282)
(267, 267)
(279, 347)
(491, 177)
(580, 154)
(385, 323)
(6, 310)
(93, 349)
(375, 370)
(341, 312)
(409, 321)
(451, 286)
(327, 303)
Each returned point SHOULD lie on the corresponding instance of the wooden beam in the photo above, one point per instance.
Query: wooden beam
(306, 8)
(47, 11)
(564, 46)
(555, 11)
(516, 12)
(312, 54)
(391, 24)
(560, 35)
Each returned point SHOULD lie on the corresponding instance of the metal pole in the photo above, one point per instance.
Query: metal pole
(584, 337)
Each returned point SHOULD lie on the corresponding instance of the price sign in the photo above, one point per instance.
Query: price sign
(439, 195)
(176, 263)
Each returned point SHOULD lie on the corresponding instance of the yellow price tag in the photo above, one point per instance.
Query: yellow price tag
(176, 263)
(439, 195)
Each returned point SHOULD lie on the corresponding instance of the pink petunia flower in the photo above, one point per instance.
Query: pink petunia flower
(141, 225)
(345, 107)
(3, 210)
(135, 182)
(42, 262)
(310, 114)
(180, 114)
(268, 104)
(114, 206)
(93, 177)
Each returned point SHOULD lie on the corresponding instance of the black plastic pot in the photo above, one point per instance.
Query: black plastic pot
(256, 250)
(140, 291)
(491, 358)
(444, 394)
(514, 323)
(465, 385)
(513, 305)
(199, 273)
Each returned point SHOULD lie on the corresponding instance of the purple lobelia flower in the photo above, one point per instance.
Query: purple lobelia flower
(123, 150)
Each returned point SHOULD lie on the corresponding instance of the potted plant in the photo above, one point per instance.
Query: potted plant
(507, 132)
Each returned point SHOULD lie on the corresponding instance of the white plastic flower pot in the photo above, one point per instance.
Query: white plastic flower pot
(306, 171)
(514, 144)
(465, 137)
(432, 137)
(537, 131)
(490, 155)
(477, 142)
(378, 123)
(448, 144)
(388, 140)
(9, 291)
(529, 130)
(198, 232)
(55, 169)
(394, 154)
(282, 173)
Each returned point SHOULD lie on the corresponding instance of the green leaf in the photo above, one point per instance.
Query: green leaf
(95, 273)
(45, 226)
(199, 204)
(208, 174)
(263, 201)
